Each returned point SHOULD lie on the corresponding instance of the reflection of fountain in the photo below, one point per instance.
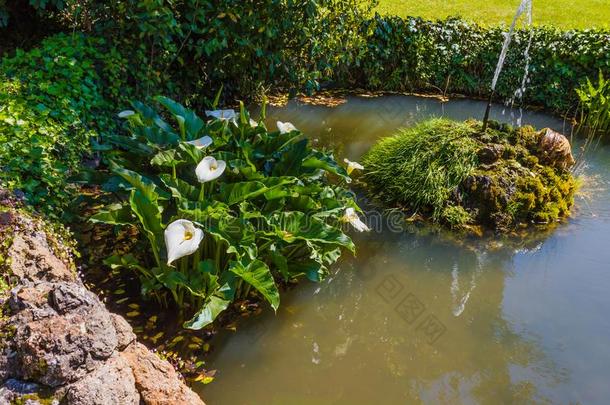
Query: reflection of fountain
(459, 304)
(525, 6)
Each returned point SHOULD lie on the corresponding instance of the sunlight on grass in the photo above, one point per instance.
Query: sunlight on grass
(560, 13)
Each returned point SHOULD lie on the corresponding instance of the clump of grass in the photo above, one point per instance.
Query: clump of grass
(420, 167)
(453, 174)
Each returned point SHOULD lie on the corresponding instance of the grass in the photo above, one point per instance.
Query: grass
(559, 13)
(420, 167)
(452, 173)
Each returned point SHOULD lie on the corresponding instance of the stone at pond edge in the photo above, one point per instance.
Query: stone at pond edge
(555, 149)
(59, 337)
(156, 380)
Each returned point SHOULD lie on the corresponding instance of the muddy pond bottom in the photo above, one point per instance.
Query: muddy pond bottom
(421, 317)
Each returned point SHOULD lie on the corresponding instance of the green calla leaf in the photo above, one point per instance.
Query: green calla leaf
(114, 214)
(208, 313)
(258, 275)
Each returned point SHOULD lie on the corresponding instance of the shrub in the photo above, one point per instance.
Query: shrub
(241, 44)
(271, 213)
(53, 100)
(452, 55)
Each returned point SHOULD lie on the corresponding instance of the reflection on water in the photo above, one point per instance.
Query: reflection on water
(418, 317)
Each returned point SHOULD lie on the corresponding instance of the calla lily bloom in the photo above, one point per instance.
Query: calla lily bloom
(210, 169)
(351, 166)
(253, 123)
(126, 113)
(285, 127)
(182, 238)
(202, 142)
(227, 115)
(351, 217)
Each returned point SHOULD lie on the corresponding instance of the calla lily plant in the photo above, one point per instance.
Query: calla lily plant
(225, 210)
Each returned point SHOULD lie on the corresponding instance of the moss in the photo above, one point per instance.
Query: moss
(44, 397)
(495, 179)
(456, 216)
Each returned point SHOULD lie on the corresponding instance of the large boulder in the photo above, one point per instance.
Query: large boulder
(58, 342)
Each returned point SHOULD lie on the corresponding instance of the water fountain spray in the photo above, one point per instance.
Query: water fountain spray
(524, 7)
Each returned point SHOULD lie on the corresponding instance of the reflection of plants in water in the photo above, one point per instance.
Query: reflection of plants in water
(222, 221)
(482, 355)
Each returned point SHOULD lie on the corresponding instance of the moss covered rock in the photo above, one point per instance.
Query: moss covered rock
(458, 176)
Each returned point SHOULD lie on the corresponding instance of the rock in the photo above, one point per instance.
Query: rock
(112, 383)
(156, 380)
(490, 153)
(555, 149)
(14, 390)
(64, 338)
(124, 332)
(32, 259)
(58, 342)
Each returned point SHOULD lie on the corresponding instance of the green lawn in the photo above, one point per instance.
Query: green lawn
(560, 13)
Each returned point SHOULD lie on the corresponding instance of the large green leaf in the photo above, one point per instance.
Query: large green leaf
(166, 158)
(258, 275)
(114, 214)
(143, 184)
(149, 213)
(295, 225)
(208, 313)
(186, 118)
(180, 189)
(319, 160)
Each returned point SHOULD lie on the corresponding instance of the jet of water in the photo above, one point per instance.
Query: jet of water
(524, 7)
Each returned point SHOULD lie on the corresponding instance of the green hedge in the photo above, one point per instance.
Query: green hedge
(53, 99)
(414, 54)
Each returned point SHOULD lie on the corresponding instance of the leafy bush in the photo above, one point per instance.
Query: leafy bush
(452, 55)
(53, 99)
(262, 200)
(241, 44)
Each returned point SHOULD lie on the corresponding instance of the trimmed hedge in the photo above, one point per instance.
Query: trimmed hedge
(458, 57)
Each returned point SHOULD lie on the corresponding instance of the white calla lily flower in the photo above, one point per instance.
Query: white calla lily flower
(285, 127)
(202, 142)
(126, 113)
(210, 169)
(253, 123)
(351, 166)
(182, 238)
(353, 218)
(227, 115)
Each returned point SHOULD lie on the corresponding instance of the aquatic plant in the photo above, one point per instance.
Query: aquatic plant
(456, 175)
(595, 106)
(226, 206)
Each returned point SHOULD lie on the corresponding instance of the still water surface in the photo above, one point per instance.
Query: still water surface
(418, 317)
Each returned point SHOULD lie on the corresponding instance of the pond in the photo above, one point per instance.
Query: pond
(420, 316)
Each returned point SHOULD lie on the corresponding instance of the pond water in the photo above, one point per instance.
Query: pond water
(420, 317)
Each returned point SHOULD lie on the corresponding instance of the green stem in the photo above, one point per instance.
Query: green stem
(202, 192)
(196, 260)
(217, 257)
